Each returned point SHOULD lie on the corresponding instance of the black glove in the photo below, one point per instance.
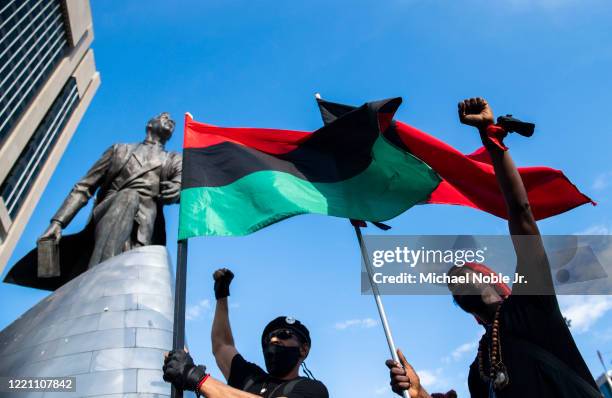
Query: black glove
(180, 370)
(223, 277)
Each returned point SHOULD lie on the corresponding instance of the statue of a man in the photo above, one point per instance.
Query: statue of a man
(132, 182)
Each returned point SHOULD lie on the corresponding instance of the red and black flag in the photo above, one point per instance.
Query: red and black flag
(239, 180)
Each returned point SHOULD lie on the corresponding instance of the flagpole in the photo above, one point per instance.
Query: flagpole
(180, 287)
(375, 292)
(377, 298)
(180, 292)
(606, 375)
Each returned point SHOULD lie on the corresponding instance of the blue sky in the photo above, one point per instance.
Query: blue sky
(258, 63)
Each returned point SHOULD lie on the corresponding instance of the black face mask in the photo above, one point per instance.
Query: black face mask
(280, 360)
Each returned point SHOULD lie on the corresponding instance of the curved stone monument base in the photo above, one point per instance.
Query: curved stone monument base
(109, 328)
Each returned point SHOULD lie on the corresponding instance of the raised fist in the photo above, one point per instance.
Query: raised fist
(223, 278)
(475, 112)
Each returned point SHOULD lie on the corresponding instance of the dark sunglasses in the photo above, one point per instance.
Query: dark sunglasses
(281, 334)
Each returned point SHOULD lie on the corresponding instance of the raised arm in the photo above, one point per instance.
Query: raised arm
(531, 257)
(223, 346)
(477, 112)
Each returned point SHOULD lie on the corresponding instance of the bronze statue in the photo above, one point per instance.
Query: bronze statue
(133, 182)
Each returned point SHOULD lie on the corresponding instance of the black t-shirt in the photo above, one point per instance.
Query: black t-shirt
(247, 376)
(538, 351)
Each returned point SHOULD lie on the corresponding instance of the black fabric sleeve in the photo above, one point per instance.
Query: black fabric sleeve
(478, 388)
(309, 389)
(241, 370)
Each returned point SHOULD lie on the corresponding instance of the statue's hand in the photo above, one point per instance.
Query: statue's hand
(170, 191)
(54, 231)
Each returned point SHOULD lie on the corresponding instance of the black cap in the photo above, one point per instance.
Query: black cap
(286, 322)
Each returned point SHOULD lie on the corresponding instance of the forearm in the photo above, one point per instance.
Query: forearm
(84, 189)
(520, 217)
(532, 261)
(75, 201)
(213, 388)
(221, 334)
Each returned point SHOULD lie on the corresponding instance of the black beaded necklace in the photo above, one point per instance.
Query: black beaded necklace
(497, 373)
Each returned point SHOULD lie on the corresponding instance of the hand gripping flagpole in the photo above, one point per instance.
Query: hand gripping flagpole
(376, 294)
(180, 288)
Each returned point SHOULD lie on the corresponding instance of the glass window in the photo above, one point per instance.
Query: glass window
(24, 172)
(33, 40)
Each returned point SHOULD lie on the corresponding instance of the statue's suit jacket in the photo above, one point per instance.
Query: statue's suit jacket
(119, 166)
(114, 171)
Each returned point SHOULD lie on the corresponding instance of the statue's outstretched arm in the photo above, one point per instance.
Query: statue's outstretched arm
(84, 189)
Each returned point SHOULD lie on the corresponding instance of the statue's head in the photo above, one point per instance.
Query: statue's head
(161, 127)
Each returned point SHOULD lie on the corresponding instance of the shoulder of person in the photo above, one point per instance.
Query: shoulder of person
(308, 388)
(174, 156)
(122, 147)
(238, 361)
(545, 303)
(242, 370)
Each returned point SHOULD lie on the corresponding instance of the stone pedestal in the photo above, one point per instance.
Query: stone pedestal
(109, 328)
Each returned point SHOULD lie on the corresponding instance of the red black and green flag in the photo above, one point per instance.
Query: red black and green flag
(239, 180)
(360, 165)
(469, 180)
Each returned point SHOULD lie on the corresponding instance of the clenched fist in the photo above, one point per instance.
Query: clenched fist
(223, 278)
(476, 112)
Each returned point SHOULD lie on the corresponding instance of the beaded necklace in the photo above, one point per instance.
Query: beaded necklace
(497, 370)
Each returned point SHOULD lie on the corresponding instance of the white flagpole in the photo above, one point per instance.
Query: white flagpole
(377, 298)
(376, 294)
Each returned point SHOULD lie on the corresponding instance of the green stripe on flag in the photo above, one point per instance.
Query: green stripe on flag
(393, 182)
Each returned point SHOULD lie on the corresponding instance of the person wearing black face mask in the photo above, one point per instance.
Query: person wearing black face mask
(285, 342)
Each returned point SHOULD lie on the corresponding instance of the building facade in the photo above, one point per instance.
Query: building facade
(48, 78)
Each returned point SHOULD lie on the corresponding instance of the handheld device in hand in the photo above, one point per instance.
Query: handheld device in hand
(514, 125)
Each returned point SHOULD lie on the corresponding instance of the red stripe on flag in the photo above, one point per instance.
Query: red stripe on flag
(272, 141)
(469, 180)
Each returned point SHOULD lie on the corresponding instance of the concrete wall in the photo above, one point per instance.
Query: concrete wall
(79, 19)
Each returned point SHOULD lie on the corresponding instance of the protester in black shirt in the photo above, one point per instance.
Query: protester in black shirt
(527, 350)
(285, 342)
